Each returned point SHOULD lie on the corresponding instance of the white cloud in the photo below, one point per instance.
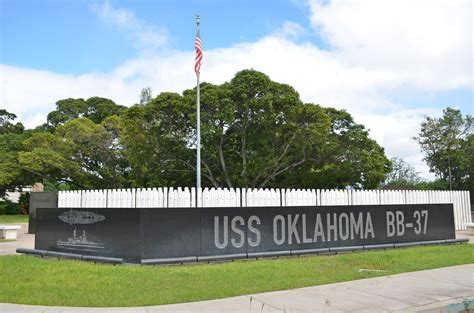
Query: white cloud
(427, 43)
(290, 30)
(31, 121)
(377, 50)
(146, 36)
(395, 131)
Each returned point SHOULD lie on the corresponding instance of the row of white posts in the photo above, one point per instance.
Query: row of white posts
(243, 197)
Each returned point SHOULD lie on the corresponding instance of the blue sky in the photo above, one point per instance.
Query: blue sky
(67, 37)
(388, 72)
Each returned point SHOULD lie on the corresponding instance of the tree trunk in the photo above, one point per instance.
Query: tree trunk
(221, 157)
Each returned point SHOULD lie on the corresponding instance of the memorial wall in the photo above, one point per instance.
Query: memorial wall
(147, 234)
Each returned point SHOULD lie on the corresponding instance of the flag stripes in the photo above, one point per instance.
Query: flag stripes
(198, 46)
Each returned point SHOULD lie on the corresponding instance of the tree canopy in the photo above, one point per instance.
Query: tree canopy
(447, 143)
(254, 133)
(96, 109)
(80, 152)
(403, 174)
(6, 125)
(12, 137)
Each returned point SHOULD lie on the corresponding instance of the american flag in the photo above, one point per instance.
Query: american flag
(198, 46)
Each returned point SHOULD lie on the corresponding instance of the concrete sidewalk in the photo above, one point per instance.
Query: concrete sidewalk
(423, 291)
(24, 240)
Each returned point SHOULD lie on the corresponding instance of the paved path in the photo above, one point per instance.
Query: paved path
(463, 234)
(423, 291)
(24, 240)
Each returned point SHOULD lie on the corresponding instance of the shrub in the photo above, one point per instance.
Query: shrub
(9, 208)
(24, 202)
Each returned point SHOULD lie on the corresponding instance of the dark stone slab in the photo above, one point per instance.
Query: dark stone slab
(211, 258)
(310, 251)
(380, 246)
(190, 259)
(410, 227)
(408, 244)
(433, 242)
(268, 254)
(460, 240)
(105, 232)
(99, 259)
(62, 255)
(170, 233)
(31, 251)
(40, 200)
(346, 249)
(177, 235)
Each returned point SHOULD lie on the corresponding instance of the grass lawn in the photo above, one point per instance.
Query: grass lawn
(38, 281)
(5, 219)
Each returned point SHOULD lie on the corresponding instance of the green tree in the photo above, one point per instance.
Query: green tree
(96, 109)
(47, 156)
(99, 109)
(6, 125)
(467, 164)
(145, 95)
(66, 109)
(348, 157)
(12, 174)
(156, 138)
(402, 174)
(446, 142)
(253, 130)
(254, 133)
(80, 153)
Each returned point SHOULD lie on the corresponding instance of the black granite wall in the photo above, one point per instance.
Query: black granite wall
(154, 233)
(40, 200)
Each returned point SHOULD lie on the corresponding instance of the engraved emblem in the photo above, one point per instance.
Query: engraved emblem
(73, 217)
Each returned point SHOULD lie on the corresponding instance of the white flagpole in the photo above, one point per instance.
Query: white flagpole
(198, 143)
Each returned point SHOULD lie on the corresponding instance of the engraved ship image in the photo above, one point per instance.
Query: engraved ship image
(81, 242)
(73, 217)
(84, 242)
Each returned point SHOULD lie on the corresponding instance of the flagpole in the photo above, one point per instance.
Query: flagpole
(198, 143)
